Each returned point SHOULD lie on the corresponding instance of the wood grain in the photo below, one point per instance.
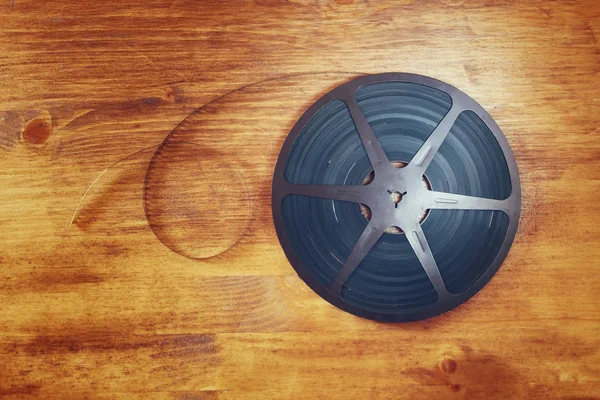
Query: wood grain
(94, 304)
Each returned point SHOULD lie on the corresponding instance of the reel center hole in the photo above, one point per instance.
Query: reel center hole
(395, 196)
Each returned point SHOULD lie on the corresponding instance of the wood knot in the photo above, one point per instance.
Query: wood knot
(38, 130)
(448, 365)
(455, 387)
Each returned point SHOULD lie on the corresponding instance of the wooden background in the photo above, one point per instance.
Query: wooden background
(101, 298)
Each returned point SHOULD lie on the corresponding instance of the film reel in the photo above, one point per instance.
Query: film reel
(396, 197)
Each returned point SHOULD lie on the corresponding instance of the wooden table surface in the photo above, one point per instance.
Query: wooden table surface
(107, 290)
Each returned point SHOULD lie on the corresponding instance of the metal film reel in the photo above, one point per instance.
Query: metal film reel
(396, 197)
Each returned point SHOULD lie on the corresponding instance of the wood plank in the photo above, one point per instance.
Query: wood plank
(104, 290)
